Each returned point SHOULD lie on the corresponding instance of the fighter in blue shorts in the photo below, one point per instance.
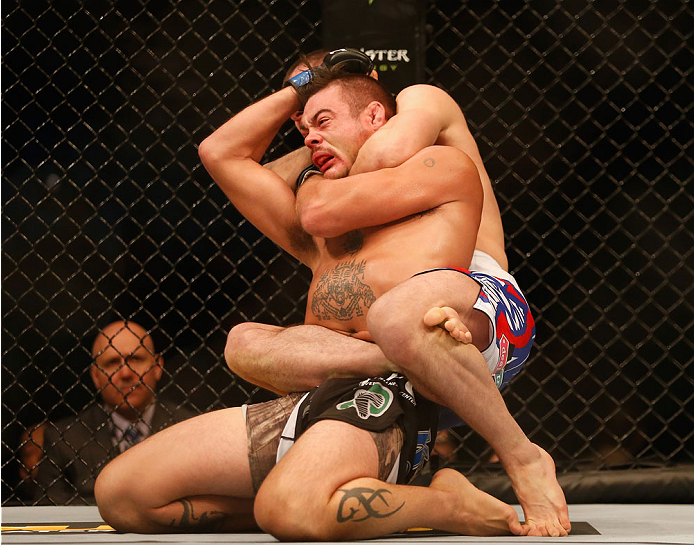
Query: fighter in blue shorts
(511, 324)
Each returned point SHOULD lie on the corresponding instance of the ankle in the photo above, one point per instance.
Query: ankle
(524, 455)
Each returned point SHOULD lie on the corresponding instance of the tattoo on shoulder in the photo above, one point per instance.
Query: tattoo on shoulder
(429, 162)
(359, 503)
(206, 521)
(341, 293)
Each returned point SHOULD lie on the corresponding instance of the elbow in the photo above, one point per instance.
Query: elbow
(211, 151)
(207, 151)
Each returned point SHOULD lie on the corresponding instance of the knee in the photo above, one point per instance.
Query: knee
(114, 500)
(291, 516)
(240, 341)
(394, 327)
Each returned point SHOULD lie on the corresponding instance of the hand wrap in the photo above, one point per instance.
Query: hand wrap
(349, 60)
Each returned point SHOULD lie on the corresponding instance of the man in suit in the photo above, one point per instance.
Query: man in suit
(125, 372)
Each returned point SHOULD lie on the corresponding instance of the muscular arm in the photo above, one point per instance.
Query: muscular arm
(289, 166)
(424, 112)
(434, 176)
(232, 156)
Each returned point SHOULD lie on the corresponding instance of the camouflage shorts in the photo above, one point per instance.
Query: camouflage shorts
(264, 425)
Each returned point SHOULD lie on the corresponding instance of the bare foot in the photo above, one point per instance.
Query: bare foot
(478, 513)
(448, 319)
(541, 497)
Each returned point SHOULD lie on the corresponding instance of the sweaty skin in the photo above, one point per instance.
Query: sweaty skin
(344, 218)
(372, 252)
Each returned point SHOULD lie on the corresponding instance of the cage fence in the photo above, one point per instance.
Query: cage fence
(582, 111)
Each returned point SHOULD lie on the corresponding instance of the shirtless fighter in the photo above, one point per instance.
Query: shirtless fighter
(495, 321)
(329, 484)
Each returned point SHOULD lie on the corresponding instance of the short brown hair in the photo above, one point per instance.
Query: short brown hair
(358, 90)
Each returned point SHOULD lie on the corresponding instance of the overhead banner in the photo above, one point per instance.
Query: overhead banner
(391, 32)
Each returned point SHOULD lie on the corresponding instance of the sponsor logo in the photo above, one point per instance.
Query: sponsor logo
(499, 378)
(372, 402)
(384, 59)
(421, 455)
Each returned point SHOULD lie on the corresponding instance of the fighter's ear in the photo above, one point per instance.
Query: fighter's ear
(376, 114)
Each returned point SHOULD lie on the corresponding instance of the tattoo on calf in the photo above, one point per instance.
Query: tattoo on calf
(429, 162)
(207, 521)
(341, 294)
(357, 505)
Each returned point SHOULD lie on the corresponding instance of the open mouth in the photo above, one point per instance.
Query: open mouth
(323, 160)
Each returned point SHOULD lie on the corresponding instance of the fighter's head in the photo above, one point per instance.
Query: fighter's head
(348, 60)
(341, 111)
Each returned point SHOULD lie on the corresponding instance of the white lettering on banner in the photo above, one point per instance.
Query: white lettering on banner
(393, 55)
(515, 314)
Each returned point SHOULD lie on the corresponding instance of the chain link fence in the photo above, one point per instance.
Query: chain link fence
(582, 111)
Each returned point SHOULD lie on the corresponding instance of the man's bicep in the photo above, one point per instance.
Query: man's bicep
(264, 199)
(396, 141)
(289, 166)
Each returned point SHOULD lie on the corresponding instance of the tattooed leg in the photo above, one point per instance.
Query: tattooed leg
(206, 486)
(325, 489)
(366, 508)
(206, 514)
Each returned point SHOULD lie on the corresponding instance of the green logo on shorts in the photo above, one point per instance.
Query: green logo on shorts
(499, 378)
(372, 402)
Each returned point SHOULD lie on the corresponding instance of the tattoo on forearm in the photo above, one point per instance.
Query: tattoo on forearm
(341, 294)
(353, 242)
(207, 520)
(357, 505)
(429, 162)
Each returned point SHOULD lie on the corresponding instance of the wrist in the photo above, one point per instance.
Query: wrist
(301, 79)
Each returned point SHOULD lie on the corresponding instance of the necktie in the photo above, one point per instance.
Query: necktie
(132, 436)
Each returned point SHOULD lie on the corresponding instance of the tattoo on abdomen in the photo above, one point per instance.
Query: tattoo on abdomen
(341, 294)
(358, 504)
(207, 521)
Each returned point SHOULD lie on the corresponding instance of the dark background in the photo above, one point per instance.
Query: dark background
(582, 111)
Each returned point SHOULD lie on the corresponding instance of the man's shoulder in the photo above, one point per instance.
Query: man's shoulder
(424, 95)
(76, 429)
(90, 416)
(449, 155)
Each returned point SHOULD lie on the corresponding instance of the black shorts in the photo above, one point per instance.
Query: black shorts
(376, 405)
(401, 423)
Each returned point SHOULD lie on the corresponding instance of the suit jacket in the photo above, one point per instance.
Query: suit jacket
(78, 448)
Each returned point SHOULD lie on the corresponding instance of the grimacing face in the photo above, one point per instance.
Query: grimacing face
(333, 135)
(125, 369)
